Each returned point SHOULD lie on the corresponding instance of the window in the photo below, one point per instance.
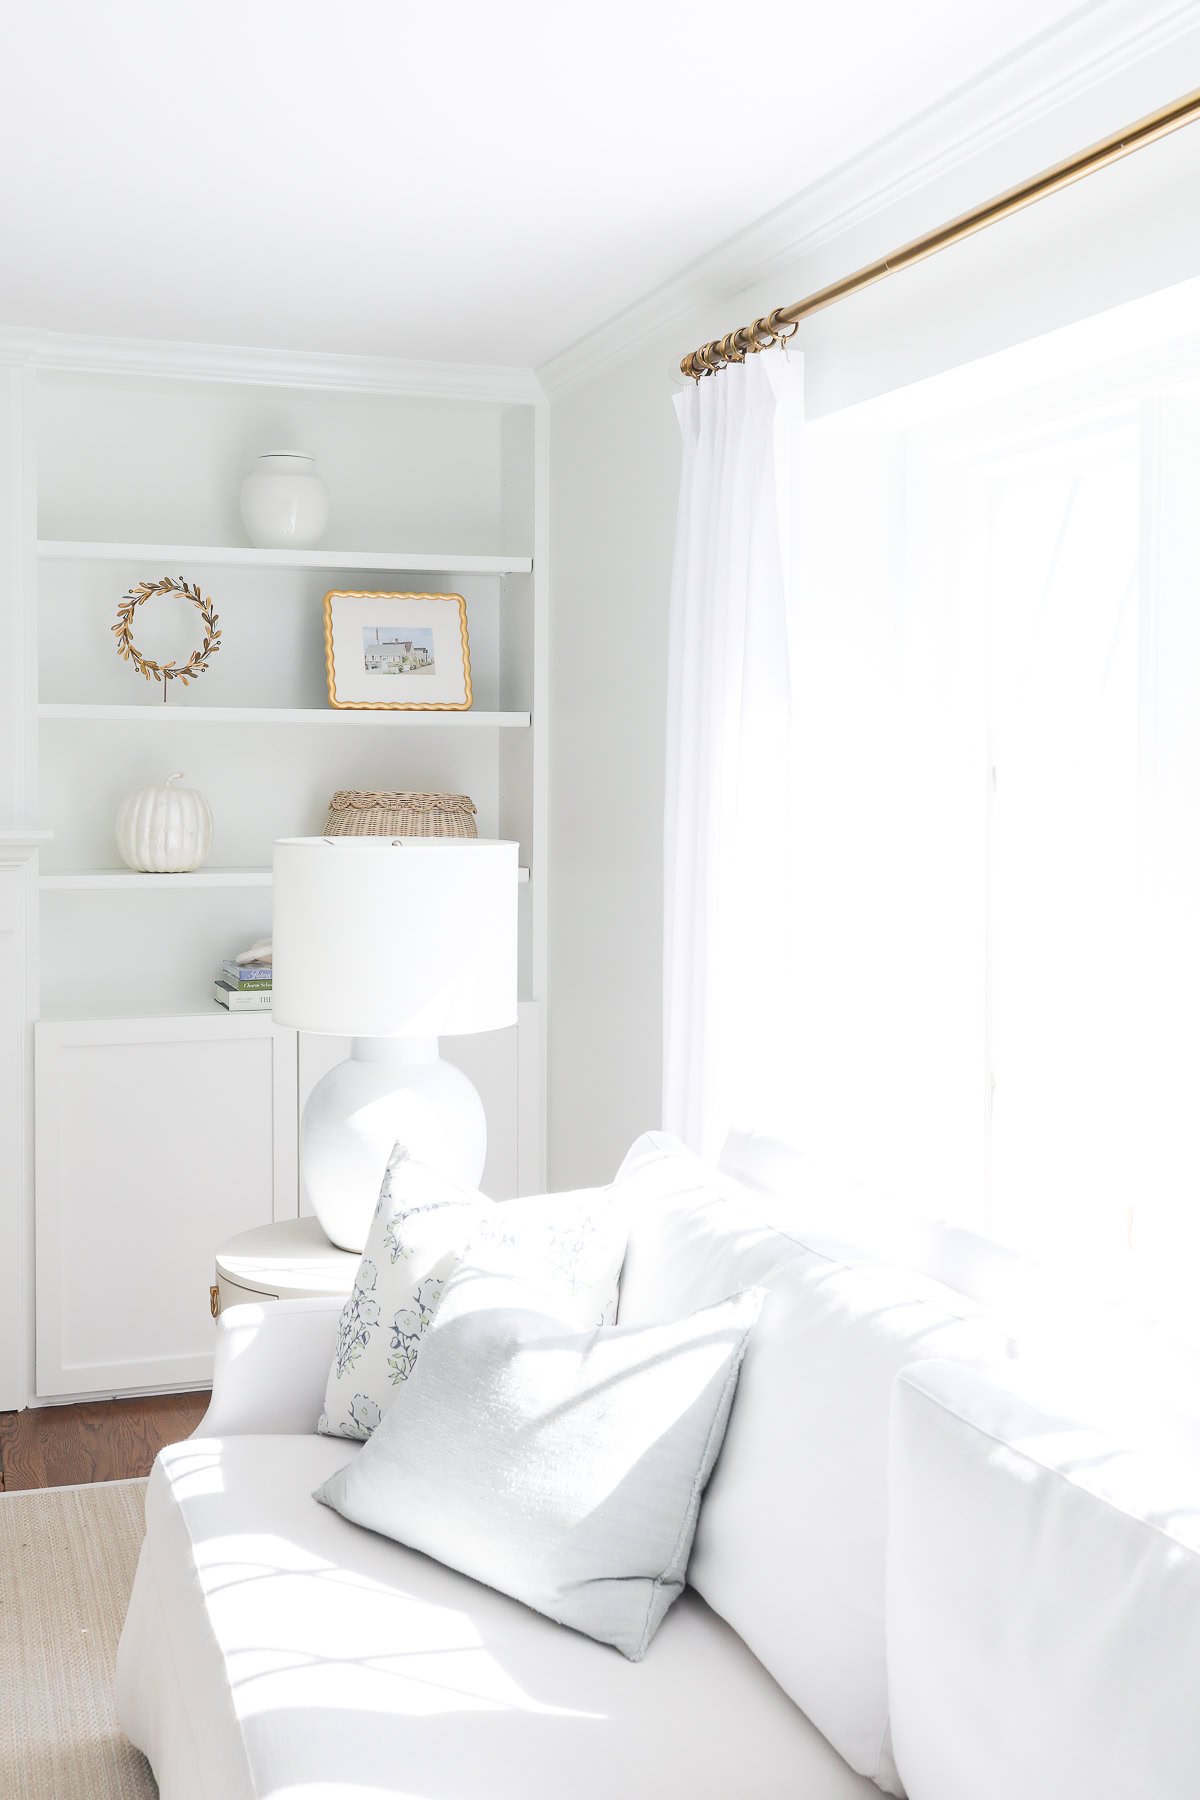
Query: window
(995, 998)
(1054, 528)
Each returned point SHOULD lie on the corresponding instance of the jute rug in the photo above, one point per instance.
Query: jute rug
(67, 1557)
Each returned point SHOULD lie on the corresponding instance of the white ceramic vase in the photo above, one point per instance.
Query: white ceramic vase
(285, 504)
(164, 830)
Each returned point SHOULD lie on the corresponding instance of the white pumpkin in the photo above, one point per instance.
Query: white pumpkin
(164, 830)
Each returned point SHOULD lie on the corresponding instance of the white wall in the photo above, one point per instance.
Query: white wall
(1128, 231)
(613, 469)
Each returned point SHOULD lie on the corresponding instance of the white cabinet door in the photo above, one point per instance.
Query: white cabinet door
(157, 1139)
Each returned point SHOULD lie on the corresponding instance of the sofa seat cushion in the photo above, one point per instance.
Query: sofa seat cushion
(318, 1659)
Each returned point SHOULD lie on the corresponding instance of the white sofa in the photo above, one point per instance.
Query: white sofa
(272, 1649)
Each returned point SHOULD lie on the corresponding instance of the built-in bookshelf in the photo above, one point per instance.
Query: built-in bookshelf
(111, 474)
(139, 478)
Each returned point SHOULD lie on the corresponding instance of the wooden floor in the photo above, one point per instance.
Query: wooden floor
(96, 1440)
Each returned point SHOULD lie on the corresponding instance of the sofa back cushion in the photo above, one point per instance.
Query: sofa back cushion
(791, 1546)
(694, 1235)
(1043, 1603)
(1100, 1352)
(985, 1271)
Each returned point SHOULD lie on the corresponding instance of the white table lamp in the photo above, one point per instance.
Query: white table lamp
(392, 942)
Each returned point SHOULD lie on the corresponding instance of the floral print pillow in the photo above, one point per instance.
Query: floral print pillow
(570, 1246)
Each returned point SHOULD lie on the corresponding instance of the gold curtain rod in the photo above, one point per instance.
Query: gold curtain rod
(735, 346)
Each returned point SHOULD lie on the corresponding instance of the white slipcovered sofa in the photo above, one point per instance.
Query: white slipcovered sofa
(905, 1577)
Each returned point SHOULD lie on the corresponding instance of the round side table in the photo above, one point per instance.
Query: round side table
(292, 1260)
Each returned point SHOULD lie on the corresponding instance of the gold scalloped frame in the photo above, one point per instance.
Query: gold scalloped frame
(394, 705)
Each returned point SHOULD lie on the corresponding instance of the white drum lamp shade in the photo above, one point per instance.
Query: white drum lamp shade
(395, 937)
(392, 942)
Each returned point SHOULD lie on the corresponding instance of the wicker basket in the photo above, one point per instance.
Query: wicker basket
(355, 814)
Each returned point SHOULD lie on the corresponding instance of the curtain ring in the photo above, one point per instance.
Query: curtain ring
(776, 324)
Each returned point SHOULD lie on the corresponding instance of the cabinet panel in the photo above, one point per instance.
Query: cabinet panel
(17, 926)
(157, 1139)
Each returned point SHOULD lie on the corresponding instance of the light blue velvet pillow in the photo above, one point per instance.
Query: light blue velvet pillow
(562, 1467)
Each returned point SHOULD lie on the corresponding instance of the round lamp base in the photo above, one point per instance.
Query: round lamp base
(389, 1091)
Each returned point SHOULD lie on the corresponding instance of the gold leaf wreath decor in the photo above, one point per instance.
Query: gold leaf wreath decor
(197, 662)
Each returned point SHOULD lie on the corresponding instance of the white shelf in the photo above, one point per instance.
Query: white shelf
(77, 880)
(187, 1007)
(277, 715)
(432, 562)
(110, 880)
(87, 1011)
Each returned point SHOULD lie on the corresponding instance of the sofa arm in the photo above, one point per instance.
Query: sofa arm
(271, 1365)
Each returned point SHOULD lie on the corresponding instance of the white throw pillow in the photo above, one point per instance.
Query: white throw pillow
(1043, 1603)
(563, 1468)
(422, 1225)
(791, 1548)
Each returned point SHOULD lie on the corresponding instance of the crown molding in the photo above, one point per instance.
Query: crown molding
(1091, 49)
(133, 357)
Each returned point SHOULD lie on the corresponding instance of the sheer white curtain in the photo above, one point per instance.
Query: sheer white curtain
(727, 838)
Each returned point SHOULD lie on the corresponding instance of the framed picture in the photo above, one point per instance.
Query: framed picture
(397, 652)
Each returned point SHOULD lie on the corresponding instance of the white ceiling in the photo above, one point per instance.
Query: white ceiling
(473, 182)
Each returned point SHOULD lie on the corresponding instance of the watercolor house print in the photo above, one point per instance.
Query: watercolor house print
(393, 650)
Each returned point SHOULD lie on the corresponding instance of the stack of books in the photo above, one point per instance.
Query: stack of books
(244, 987)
